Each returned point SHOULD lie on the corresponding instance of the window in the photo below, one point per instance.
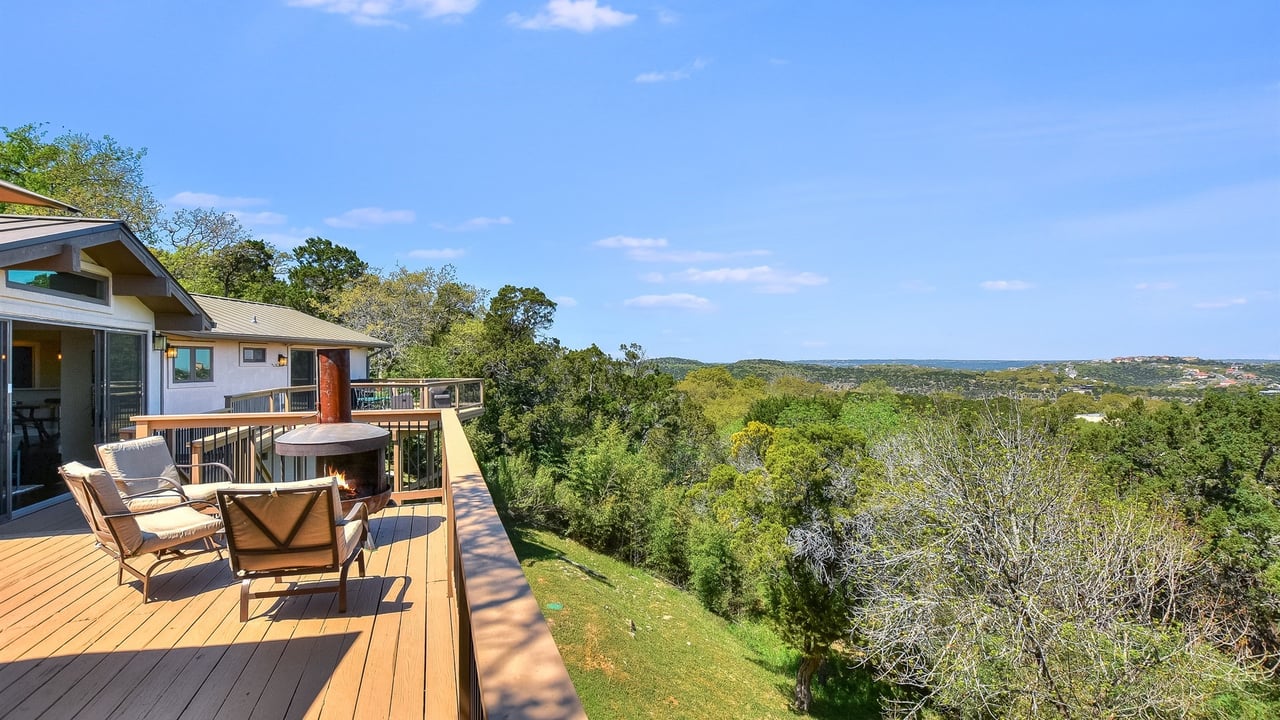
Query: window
(78, 285)
(193, 364)
(253, 355)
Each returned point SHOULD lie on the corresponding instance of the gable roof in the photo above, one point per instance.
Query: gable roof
(248, 320)
(54, 243)
(10, 193)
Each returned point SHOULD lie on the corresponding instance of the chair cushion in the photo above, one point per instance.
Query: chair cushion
(283, 509)
(349, 537)
(329, 482)
(151, 501)
(170, 528)
(146, 457)
(208, 492)
(108, 502)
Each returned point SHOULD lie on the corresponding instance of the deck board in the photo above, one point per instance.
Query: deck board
(74, 644)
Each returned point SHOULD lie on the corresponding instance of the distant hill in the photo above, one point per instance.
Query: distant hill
(1158, 375)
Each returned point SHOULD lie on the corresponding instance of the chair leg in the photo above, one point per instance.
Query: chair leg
(342, 589)
(244, 601)
(360, 560)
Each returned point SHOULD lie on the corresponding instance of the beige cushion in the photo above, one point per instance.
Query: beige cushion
(152, 501)
(318, 542)
(78, 477)
(350, 538)
(146, 457)
(170, 528)
(208, 492)
(329, 482)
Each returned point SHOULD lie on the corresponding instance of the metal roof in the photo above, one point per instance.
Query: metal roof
(47, 242)
(248, 320)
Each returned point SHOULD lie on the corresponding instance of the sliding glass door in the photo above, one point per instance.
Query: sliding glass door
(9, 475)
(122, 391)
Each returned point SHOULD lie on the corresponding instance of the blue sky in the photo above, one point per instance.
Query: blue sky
(728, 180)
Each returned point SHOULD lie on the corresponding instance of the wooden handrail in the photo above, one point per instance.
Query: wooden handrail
(504, 643)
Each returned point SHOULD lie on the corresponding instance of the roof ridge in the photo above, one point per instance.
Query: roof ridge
(248, 302)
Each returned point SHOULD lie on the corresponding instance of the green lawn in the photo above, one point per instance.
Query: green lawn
(683, 661)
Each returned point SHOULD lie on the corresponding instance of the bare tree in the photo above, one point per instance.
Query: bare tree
(998, 586)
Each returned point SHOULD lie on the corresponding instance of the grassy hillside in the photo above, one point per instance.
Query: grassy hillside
(683, 662)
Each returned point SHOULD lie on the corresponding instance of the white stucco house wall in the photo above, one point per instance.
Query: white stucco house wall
(80, 302)
(86, 316)
(252, 346)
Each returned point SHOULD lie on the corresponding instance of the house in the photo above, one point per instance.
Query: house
(81, 302)
(94, 330)
(251, 346)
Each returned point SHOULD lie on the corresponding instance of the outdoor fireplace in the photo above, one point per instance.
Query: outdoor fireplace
(354, 452)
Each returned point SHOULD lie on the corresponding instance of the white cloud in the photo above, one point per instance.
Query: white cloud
(364, 217)
(689, 256)
(1154, 286)
(684, 301)
(683, 73)
(622, 241)
(1220, 304)
(1006, 285)
(582, 16)
(652, 277)
(651, 250)
(765, 278)
(381, 13)
(475, 223)
(565, 301)
(186, 198)
(265, 217)
(436, 253)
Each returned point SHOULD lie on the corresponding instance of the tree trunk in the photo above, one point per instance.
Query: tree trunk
(804, 681)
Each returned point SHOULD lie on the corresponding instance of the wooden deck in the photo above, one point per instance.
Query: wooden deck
(74, 644)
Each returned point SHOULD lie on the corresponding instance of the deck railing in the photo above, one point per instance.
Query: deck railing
(462, 394)
(507, 662)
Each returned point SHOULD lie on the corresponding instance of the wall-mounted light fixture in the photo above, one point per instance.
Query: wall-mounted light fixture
(59, 357)
(171, 352)
(281, 360)
(159, 342)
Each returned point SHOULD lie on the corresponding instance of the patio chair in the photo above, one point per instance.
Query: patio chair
(142, 466)
(288, 529)
(167, 532)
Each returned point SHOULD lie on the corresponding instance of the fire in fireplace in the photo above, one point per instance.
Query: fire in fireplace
(354, 451)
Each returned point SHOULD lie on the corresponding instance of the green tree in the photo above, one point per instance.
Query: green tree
(791, 483)
(210, 252)
(405, 308)
(318, 271)
(98, 175)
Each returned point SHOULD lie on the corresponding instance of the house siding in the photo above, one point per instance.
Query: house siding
(233, 377)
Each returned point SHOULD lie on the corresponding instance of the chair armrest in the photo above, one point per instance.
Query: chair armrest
(358, 511)
(157, 491)
(159, 479)
(221, 466)
(189, 503)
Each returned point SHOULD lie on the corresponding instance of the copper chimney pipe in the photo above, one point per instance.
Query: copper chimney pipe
(334, 385)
